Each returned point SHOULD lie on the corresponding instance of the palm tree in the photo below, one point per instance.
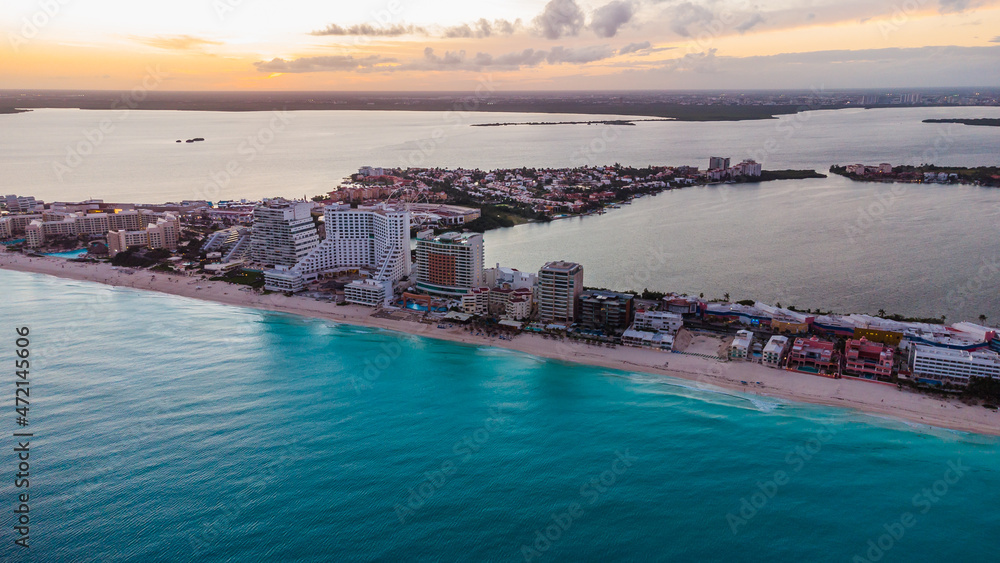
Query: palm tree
(982, 318)
(725, 297)
(881, 313)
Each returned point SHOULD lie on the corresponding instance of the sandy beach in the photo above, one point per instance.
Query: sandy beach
(869, 397)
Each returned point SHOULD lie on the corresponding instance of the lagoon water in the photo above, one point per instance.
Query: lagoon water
(169, 429)
(918, 250)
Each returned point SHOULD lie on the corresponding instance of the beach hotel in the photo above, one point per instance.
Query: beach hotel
(941, 365)
(449, 265)
(869, 360)
(283, 232)
(812, 356)
(373, 238)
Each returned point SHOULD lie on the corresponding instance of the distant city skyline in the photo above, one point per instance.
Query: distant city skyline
(406, 45)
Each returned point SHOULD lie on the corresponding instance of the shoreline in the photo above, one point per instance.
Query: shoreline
(863, 396)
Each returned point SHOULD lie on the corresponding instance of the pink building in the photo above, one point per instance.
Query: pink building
(812, 353)
(864, 358)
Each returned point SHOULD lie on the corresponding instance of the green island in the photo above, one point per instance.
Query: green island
(982, 122)
(923, 174)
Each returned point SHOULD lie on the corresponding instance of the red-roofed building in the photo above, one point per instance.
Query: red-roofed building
(864, 358)
(812, 353)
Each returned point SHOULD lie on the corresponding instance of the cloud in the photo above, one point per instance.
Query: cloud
(560, 18)
(954, 6)
(685, 15)
(634, 48)
(582, 55)
(322, 64)
(371, 30)
(174, 42)
(995, 39)
(704, 62)
(608, 19)
(483, 28)
(432, 61)
(754, 20)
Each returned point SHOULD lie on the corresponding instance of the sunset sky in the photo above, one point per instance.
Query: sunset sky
(517, 45)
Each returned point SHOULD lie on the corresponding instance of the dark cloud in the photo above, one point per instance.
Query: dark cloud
(634, 48)
(754, 20)
(608, 19)
(371, 30)
(685, 15)
(174, 42)
(432, 61)
(560, 18)
(322, 64)
(483, 28)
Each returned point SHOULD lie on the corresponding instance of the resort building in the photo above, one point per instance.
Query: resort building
(812, 354)
(605, 310)
(957, 367)
(371, 238)
(282, 278)
(369, 292)
(559, 287)
(19, 204)
(774, 351)
(233, 244)
(283, 232)
(70, 224)
(449, 265)
(868, 359)
(16, 224)
(646, 339)
(164, 233)
(659, 321)
(740, 348)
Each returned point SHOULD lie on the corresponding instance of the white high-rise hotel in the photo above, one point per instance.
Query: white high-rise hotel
(374, 238)
(283, 232)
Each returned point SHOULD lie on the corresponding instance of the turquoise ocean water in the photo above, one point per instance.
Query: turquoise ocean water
(170, 429)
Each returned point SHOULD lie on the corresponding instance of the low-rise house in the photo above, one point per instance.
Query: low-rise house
(774, 352)
(740, 349)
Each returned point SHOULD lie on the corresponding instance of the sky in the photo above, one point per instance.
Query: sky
(407, 45)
